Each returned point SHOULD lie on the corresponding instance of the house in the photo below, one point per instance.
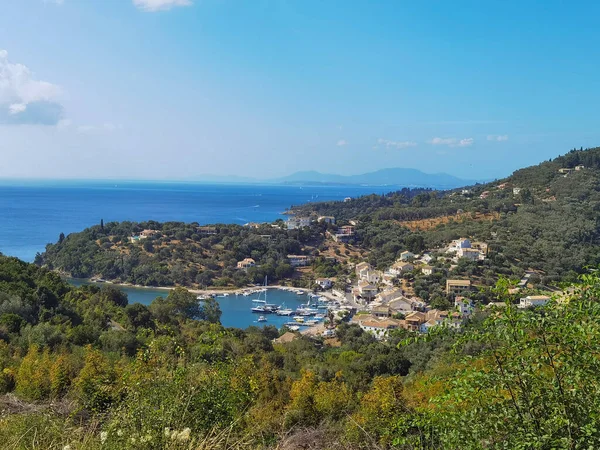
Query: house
(457, 286)
(324, 283)
(414, 320)
(401, 305)
(381, 311)
(295, 223)
(426, 258)
(207, 231)
(465, 192)
(516, 190)
(346, 229)
(388, 279)
(533, 300)
(343, 234)
(377, 327)
(389, 295)
(464, 306)
(470, 253)
(427, 270)
(148, 233)
(365, 272)
(502, 186)
(459, 244)
(362, 266)
(400, 267)
(579, 167)
(326, 219)
(252, 225)
(347, 199)
(328, 333)
(298, 260)
(365, 291)
(406, 255)
(246, 263)
(565, 171)
(484, 195)
(426, 326)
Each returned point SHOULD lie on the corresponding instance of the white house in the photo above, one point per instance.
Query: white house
(464, 306)
(458, 244)
(326, 219)
(406, 255)
(294, 223)
(400, 267)
(365, 291)
(379, 328)
(427, 270)
(298, 260)
(324, 283)
(533, 300)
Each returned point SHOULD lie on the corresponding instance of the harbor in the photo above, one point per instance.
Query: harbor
(236, 306)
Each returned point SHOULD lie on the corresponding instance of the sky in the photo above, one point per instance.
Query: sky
(176, 89)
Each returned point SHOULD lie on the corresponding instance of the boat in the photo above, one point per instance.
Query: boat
(312, 322)
(299, 319)
(264, 308)
(262, 319)
(294, 327)
(285, 312)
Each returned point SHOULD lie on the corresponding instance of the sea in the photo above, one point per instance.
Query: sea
(236, 309)
(33, 214)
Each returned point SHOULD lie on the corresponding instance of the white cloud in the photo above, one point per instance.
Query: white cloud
(23, 98)
(160, 5)
(497, 138)
(395, 144)
(342, 143)
(452, 142)
(465, 142)
(17, 108)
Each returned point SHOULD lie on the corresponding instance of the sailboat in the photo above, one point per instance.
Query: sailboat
(265, 308)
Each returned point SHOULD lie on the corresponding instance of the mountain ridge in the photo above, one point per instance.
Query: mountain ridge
(394, 176)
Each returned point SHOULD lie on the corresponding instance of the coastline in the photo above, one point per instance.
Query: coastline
(207, 292)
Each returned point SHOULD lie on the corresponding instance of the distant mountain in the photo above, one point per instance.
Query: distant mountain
(394, 177)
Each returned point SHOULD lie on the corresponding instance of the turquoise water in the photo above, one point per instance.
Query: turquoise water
(34, 214)
(236, 309)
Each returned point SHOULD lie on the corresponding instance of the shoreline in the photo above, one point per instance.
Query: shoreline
(208, 292)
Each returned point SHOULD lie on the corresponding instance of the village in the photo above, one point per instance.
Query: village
(382, 302)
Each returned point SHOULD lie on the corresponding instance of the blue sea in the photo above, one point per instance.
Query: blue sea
(33, 214)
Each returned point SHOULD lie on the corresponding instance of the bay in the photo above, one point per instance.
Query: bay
(235, 308)
(33, 214)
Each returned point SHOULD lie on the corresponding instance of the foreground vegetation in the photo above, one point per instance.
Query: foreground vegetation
(82, 369)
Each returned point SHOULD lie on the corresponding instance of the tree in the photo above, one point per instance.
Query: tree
(210, 310)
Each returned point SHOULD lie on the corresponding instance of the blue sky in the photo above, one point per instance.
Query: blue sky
(172, 89)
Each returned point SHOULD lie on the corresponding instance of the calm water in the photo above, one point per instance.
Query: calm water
(236, 309)
(34, 214)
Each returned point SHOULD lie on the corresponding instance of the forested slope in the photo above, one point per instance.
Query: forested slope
(82, 369)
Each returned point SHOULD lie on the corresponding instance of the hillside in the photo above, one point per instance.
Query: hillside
(537, 218)
(543, 218)
(80, 368)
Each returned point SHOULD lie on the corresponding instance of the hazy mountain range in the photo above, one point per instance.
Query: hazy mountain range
(384, 177)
